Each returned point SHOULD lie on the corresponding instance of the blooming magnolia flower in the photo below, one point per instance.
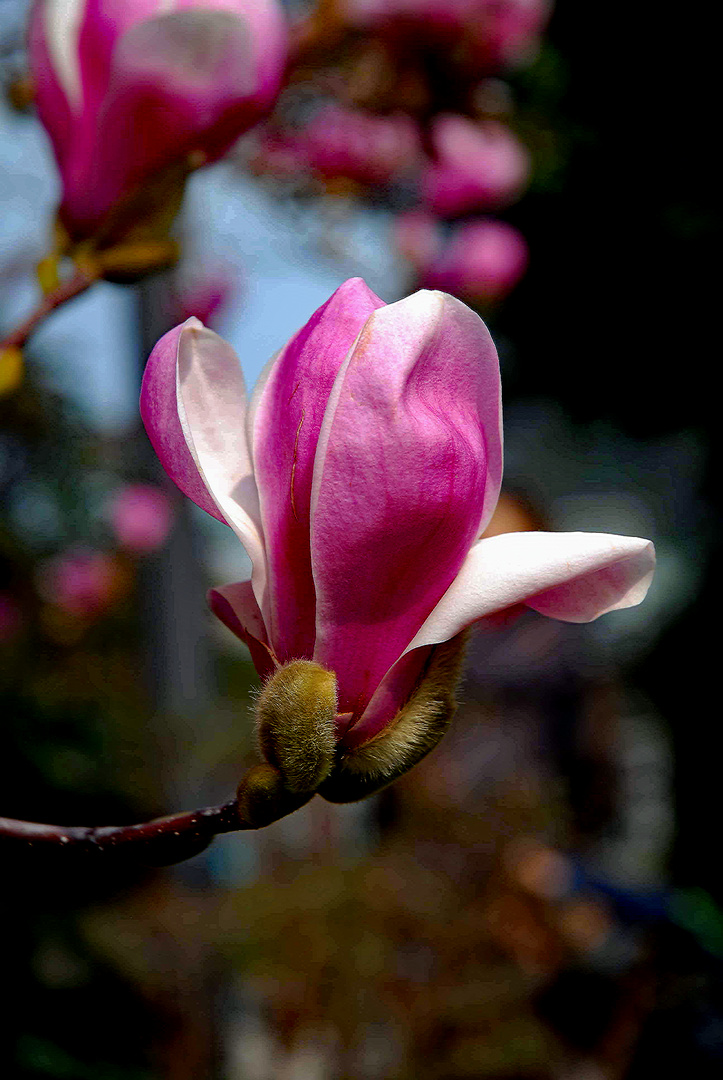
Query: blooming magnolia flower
(477, 166)
(127, 87)
(359, 478)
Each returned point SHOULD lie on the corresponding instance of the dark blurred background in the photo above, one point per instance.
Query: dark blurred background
(541, 897)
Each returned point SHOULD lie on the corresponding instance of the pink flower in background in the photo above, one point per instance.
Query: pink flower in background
(360, 477)
(81, 582)
(127, 87)
(141, 516)
(279, 153)
(205, 293)
(508, 32)
(478, 166)
(481, 260)
(359, 145)
(501, 33)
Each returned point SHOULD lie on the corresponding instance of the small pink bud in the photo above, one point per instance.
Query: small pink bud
(141, 516)
(126, 88)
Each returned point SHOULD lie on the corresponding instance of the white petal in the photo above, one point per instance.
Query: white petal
(211, 398)
(62, 29)
(575, 577)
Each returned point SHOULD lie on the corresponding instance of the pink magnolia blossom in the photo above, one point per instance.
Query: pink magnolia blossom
(359, 478)
(141, 516)
(359, 145)
(126, 87)
(82, 581)
(478, 166)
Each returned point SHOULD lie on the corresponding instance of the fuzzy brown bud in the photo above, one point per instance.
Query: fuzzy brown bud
(263, 798)
(295, 713)
(416, 729)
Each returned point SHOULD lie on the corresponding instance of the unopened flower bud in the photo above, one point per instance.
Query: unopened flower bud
(296, 710)
(263, 798)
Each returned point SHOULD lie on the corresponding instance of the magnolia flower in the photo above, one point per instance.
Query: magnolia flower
(477, 166)
(360, 477)
(126, 88)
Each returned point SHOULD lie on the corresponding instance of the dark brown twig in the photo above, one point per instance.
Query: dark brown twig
(163, 840)
(262, 798)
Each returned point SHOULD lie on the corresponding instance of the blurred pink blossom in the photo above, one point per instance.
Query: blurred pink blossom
(500, 33)
(278, 153)
(481, 260)
(478, 166)
(127, 87)
(509, 31)
(81, 581)
(358, 145)
(205, 293)
(141, 516)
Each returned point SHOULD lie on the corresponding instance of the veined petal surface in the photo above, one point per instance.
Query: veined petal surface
(286, 416)
(193, 403)
(407, 473)
(236, 606)
(575, 577)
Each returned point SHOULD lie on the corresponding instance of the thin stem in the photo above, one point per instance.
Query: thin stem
(261, 799)
(163, 840)
(76, 284)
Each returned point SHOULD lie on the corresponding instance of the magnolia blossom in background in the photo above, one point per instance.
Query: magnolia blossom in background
(509, 31)
(476, 166)
(125, 88)
(499, 33)
(81, 582)
(204, 292)
(481, 260)
(360, 477)
(140, 516)
(352, 143)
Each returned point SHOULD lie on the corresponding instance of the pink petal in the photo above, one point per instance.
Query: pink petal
(575, 577)
(406, 475)
(235, 605)
(287, 411)
(159, 412)
(193, 403)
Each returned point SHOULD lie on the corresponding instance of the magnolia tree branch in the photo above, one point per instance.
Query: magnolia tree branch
(261, 800)
(76, 284)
